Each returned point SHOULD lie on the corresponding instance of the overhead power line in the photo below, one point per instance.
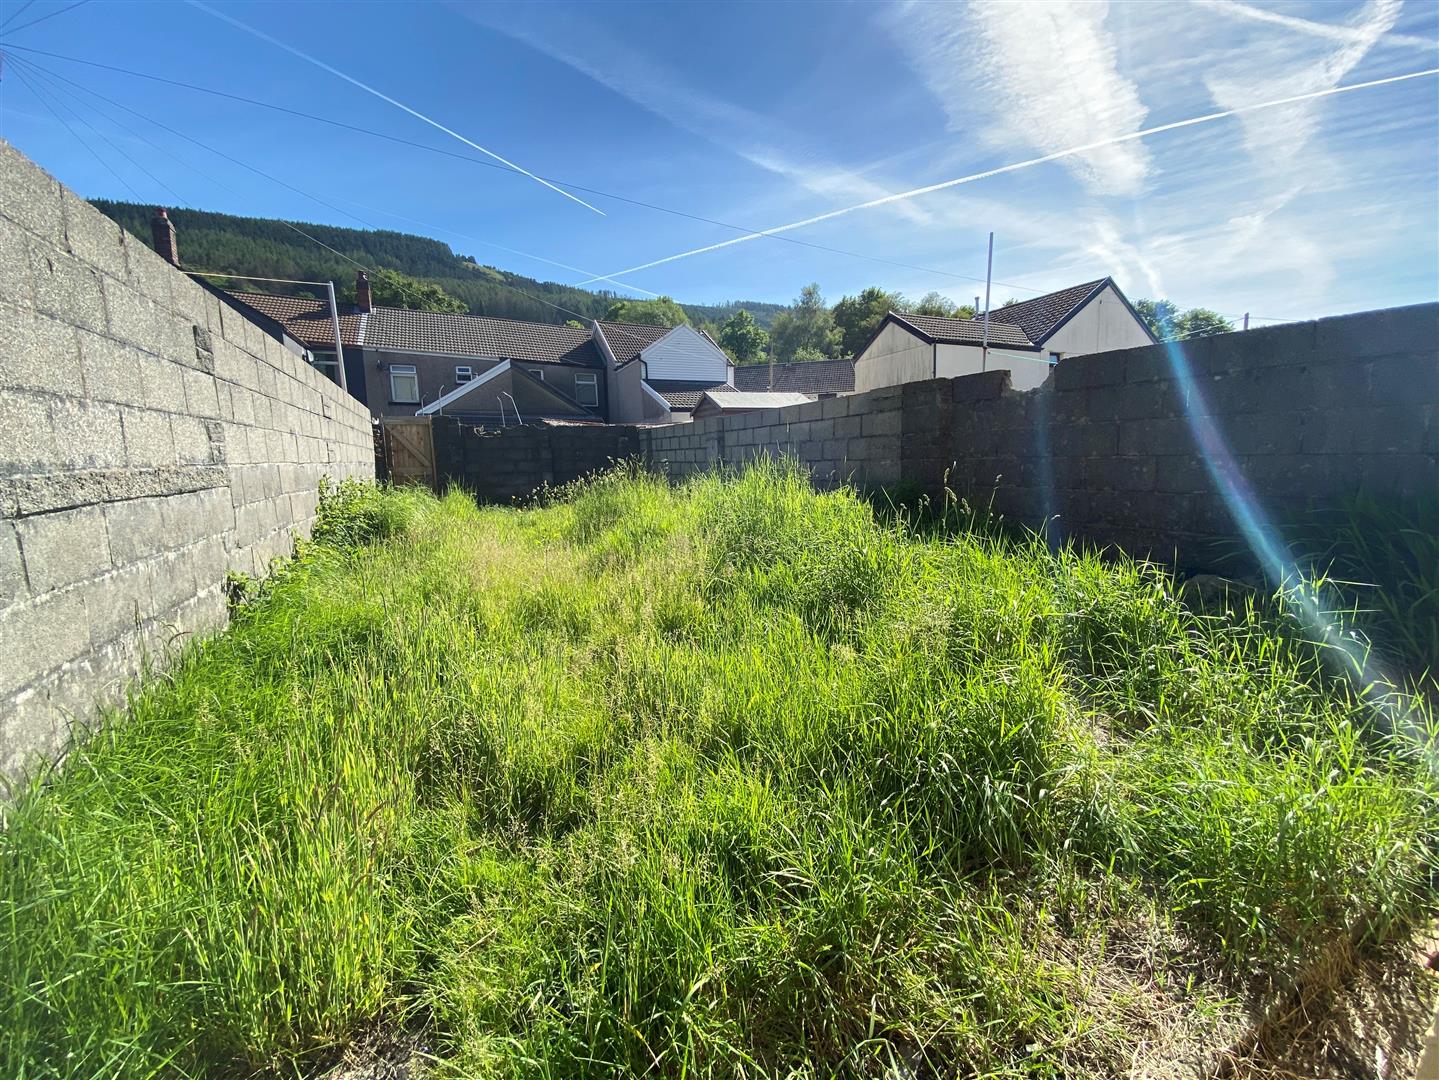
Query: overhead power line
(17, 13)
(299, 191)
(53, 111)
(399, 140)
(386, 97)
(42, 18)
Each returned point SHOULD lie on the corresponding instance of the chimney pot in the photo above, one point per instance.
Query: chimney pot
(362, 292)
(162, 232)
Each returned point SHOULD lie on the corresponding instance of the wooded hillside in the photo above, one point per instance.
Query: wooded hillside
(268, 248)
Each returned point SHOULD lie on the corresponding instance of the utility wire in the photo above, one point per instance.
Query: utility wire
(492, 165)
(35, 93)
(70, 96)
(17, 13)
(299, 191)
(42, 18)
(386, 98)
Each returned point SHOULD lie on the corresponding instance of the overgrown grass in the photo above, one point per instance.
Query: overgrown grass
(725, 780)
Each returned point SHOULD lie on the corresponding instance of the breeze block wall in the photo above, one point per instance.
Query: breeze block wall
(151, 440)
(513, 463)
(1173, 451)
(1183, 451)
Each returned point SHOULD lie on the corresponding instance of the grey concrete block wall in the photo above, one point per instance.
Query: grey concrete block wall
(151, 440)
(1167, 450)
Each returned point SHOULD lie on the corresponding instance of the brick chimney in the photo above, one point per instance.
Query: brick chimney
(162, 231)
(362, 292)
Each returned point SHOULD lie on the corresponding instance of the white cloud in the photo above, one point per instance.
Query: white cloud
(1045, 75)
(1277, 138)
(1331, 31)
(647, 81)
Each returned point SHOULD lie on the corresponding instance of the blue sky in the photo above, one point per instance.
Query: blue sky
(760, 115)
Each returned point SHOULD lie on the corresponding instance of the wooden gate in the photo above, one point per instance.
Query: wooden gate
(409, 450)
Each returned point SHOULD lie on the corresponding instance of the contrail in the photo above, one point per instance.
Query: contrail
(1030, 163)
(385, 97)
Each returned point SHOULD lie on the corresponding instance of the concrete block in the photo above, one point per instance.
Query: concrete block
(66, 288)
(171, 579)
(1098, 369)
(1145, 437)
(64, 547)
(12, 568)
(149, 275)
(110, 369)
(30, 197)
(1122, 473)
(16, 285)
(93, 238)
(200, 396)
(119, 603)
(1413, 329)
(1387, 429)
(39, 635)
(191, 440)
(162, 383)
(1180, 474)
(1406, 379)
(834, 407)
(133, 317)
(1267, 433)
(137, 529)
(87, 434)
(148, 439)
(880, 422)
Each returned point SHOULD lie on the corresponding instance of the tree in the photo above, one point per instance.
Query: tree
(662, 311)
(390, 288)
(858, 317)
(933, 303)
(1201, 322)
(742, 337)
(807, 324)
(1168, 323)
(574, 324)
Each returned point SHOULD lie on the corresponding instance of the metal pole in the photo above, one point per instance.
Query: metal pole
(1246, 320)
(988, 273)
(339, 343)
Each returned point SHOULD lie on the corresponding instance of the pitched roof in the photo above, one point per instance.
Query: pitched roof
(1041, 316)
(628, 340)
(935, 328)
(738, 400)
(685, 394)
(808, 377)
(402, 330)
(305, 318)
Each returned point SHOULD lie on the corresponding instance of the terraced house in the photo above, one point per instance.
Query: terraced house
(497, 372)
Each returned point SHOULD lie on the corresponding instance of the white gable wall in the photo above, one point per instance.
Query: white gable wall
(1103, 324)
(895, 356)
(1026, 369)
(685, 353)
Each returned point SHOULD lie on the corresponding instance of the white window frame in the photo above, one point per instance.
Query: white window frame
(592, 382)
(538, 373)
(463, 373)
(404, 370)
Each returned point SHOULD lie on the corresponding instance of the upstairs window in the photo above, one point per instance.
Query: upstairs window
(404, 384)
(463, 373)
(587, 389)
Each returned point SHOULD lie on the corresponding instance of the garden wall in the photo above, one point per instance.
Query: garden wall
(512, 463)
(1164, 450)
(151, 440)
